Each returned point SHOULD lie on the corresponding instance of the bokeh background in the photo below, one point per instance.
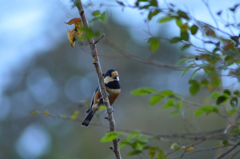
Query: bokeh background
(39, 70)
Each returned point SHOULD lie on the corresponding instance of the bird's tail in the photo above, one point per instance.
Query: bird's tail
(88, 118)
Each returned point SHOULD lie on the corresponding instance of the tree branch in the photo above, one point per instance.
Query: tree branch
(103, 91)
(140, 59)
(230, 150)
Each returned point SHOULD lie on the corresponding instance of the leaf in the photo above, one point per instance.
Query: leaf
(46, 113)
(110, 136)
(227, 92)
(225, 143)
(169, 104)
(183, 15)
(134, 152)
(165, 19)
(34, 112)
(221, 99)
(96, 13)
(175, 40)
(209, 109)
(194, 88)
(185, 47)
(232, 112)
(179, 22)
(198, 112)
(121, 3)
(179, 105)
(76, 32)
(219, 13)
(236, 40)
(144, 91)
(185, 36)
(186, 69)
(234, 101)
(174, 113)
(190, 149)
(102, 107)
(154, 44)
(194, 29)
(134, 135)
(236, 93)
(155, 99)
(151, 14)
(216, 95)
(166, 93)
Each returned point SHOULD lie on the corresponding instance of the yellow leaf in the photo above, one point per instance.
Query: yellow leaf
(46, 112)
(190, 149)
(73, 117)
(76, 32)
(34, 112)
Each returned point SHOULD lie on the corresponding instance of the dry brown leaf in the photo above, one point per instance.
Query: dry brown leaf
(76, 32)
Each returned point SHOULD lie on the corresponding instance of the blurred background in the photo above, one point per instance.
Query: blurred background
(41, 71)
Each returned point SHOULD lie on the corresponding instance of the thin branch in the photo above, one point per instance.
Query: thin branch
(103, 91)
(210, 12)
(230, 150)
(140, 59)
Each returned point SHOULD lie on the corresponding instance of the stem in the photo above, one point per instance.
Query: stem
(103, 91)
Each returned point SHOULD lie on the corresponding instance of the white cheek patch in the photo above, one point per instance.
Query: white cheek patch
(114, 91)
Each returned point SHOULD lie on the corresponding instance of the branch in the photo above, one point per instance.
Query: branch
(230, 150)
(140, 59)
(103, 91)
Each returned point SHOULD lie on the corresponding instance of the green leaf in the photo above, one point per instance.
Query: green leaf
(175, 40)
(183, 15)
(216, 95)
(194, 29)
(110, 136)
(134, 152)
(185, 36)
(198, 112)
(194, 88)
(166, 93)
(234, 101)
(169, 104)
(236, 93)
(102, 107)
(209, 109)
(165, 19)
(225, 143)
(185, 47)
(96, 13)
(204, 83)
(182, 61)
(232, 112)
(154, 44)
(179, 22)
(144, 91)
(221, 99)
(174, 113)
(155, 99)
(179, 105)
(134, 135)
(151, 14)
(227, 92)
(186, 69)
(123, 143)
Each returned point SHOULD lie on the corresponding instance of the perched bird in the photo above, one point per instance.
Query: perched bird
(111, 80)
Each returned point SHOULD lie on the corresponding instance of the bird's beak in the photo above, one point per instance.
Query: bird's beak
(116, 78)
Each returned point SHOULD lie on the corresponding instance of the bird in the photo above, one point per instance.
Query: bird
(111, 81)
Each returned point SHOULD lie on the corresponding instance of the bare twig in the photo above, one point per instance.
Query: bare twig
(101, 37)
(210, 12)
(103, 91)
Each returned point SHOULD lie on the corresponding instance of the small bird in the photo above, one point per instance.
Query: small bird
(111, 80)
